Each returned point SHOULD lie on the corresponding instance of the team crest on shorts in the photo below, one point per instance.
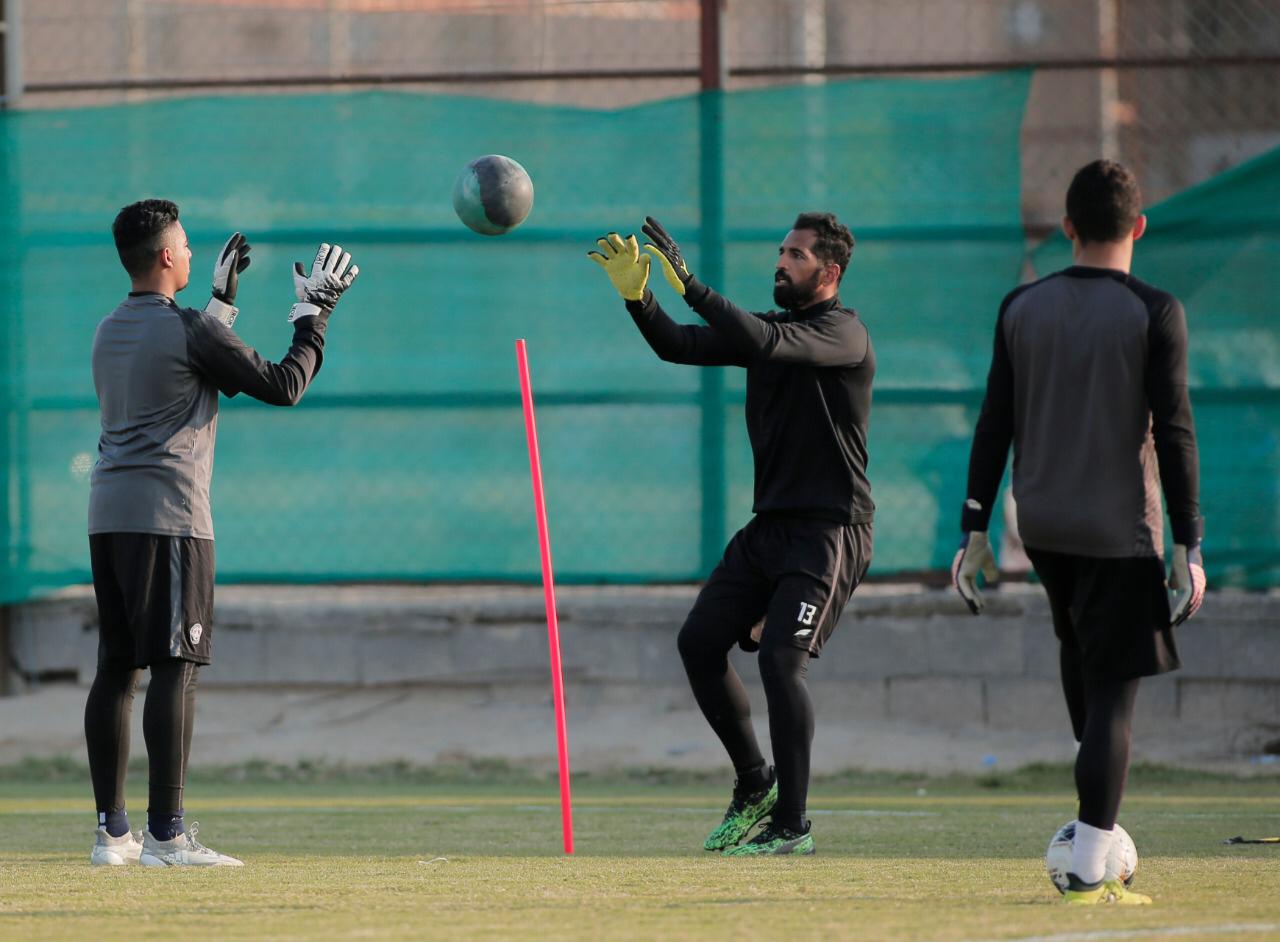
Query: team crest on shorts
(195, 632)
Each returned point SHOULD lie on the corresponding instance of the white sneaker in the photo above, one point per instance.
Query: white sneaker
(183, 851)
(111, 851)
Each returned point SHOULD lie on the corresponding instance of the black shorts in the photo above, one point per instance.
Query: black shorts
(155, 598)
(1114, 612)
(795, 574)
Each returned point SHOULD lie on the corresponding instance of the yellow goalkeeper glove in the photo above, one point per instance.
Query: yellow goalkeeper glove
(623, 263)
(664, 250)
(662, 247)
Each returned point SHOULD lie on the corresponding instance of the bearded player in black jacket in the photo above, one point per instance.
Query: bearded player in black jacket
(794, 566)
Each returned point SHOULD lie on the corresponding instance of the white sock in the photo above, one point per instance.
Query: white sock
(1089, 852)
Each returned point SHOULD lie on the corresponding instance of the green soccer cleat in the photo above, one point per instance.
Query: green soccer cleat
(1105, 891)
(743, 814)
(775, 840)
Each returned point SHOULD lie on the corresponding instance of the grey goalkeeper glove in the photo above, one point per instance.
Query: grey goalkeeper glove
(973, 557)
(319, 291)
(1186, 582)
(231, 261)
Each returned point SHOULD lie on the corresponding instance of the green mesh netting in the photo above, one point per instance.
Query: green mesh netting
(406, 459)
(1217, 248)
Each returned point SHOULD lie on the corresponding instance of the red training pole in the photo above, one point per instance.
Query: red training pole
(549, 592)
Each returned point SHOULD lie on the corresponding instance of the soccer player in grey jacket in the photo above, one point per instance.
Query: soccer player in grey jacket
(158, 369)
(1089, 381)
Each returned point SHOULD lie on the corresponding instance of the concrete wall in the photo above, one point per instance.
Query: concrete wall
(909, 680)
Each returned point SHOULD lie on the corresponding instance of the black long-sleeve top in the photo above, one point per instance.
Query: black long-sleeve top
(1088, 381)
(808, 404)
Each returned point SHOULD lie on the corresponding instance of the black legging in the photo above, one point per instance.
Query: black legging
(168, 718)
(704, 649)
(1101, 709)
(107, 714)
(783, 669)
(720, 694)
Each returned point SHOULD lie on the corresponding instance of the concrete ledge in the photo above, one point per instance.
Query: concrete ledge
(903, 659)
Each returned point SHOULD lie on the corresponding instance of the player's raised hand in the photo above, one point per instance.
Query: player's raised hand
(318, 291)
(231, 261)
(973, 557)
(665, 250)
(1186, 582)
(622, 262)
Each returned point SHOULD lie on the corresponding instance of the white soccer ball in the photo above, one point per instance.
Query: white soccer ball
(1122, 858)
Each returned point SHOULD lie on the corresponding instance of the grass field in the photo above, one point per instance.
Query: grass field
(394, 854)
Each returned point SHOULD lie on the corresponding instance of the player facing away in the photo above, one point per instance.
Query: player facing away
(158, 369)
(796, 563)
(1089, 382)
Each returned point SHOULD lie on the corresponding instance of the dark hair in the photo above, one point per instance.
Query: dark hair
(139, 232)
(834, 242)
(1103, 202)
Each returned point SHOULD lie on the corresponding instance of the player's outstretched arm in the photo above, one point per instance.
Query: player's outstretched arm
(235, 367)
(739, 328)
(227, 268)
(628, 271)
(838, 339)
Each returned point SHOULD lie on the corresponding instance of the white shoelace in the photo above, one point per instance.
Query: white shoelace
(193, 844)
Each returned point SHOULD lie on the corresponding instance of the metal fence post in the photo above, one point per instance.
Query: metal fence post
(713, 70)
(6, 662)
(10, 97)
(10, 53)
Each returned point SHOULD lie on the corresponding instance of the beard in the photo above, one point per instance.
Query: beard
(795, 296)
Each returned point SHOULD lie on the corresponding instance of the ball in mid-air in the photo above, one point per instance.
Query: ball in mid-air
(493, 194)
(1122, 858)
